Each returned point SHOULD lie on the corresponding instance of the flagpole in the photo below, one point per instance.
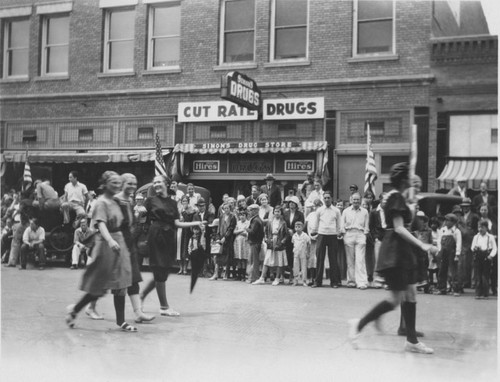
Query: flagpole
(413, 159)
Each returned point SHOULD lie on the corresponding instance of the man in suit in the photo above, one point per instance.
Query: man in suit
(469, 230)
(272, 190)
(203, 215)
(483, 197)
(291, 216)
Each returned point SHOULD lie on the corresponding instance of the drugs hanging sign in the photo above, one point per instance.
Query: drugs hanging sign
(242, 90)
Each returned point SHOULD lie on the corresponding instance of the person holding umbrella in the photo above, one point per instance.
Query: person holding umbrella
(163, 214)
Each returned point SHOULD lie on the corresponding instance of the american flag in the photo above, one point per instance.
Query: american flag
(27, 179)
(159, 163)
(370, 169)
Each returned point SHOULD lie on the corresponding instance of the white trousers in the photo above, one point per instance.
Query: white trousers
(355, 248)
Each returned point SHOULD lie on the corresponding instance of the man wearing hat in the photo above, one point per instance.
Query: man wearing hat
(272, 190)
(255, 236)
(469, 230)
(483, 198)
(449, 243)
(352, 189)
(460, 188)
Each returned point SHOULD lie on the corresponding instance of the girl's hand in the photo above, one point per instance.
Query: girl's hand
(429, 248)
(457, 258)
(141, 210)
(114, 246)
(222, 240)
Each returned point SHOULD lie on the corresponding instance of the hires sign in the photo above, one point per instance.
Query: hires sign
(294, 108)
(240, 89)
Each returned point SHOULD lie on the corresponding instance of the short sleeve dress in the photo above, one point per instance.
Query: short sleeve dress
(109, 270)
(162, 213)
(396, 261)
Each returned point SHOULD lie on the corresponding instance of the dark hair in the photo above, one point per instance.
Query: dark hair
(166, 180)
(74, 173)
(339, 201)
(34, 220)
(329, 193)
(483, 223)
(434, 220)
(278, 208)
(399, 173)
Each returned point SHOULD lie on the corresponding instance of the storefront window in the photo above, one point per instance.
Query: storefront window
(289, 32)
(238, 30)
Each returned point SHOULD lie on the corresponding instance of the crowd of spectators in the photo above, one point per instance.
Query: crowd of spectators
(261, 238)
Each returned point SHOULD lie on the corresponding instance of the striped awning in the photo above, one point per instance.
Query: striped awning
(87, 157)
(474, 171)
(250, 147)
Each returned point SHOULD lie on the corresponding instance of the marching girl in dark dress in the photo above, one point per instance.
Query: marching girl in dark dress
(163, 215)
(111, 268)
(129, 228)
(397, 264)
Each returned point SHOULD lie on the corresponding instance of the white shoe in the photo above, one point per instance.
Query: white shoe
(353, 332)
(169, 312)
(259, 282)
(213, 278)
(141, 317)
(276, 282)
(93, 314)
(419, 347)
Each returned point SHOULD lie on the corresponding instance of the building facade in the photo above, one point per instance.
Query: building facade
(87, 84)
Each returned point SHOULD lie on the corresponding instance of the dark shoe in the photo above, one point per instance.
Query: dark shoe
(315, 286)
(41, 267)
(335, 286)
(73, 266)
(402, 332)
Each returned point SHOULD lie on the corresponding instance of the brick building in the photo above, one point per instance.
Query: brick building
(85, 85)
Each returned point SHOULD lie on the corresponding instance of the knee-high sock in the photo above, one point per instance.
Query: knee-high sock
(147, 289)
(162, 294)
(88, 298)
(119, 309)
(402, 323)
(409, 310)
(378, 310)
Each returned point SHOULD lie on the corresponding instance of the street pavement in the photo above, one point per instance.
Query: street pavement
(232, 331)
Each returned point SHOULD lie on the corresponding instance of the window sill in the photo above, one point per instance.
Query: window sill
(172, 70)
(115, 74)
(52, 78)
(18, 79)
(387, 57)
(237, 65)
(280, 64)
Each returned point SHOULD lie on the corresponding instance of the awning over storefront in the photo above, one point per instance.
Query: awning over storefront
(250, 147)
(474, 170)
(87, 157)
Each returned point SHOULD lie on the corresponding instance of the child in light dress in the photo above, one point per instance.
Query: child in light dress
(241, 247)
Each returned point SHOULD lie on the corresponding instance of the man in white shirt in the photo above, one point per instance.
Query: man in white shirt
(327, 226)
(354, 228)
(33, 238)
(75, 198)
(193, 196)
(81, 243)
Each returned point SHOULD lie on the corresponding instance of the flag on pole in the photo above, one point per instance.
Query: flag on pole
(370, 169)
(325, 174)
(27, 179)
(159, 163)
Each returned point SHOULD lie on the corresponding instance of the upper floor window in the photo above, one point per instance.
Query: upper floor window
(164, 35)
(374, 27)
(238, 31)
(16, 48)
(85, 134)
(289, 29)
(29, 136)
(55, 44)
(119, 40)
(145, 133)
(218, 132)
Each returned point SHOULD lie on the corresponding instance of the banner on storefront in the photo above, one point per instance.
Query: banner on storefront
(299, 165)
(214, 111)
(206, 166)
(293, 108)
